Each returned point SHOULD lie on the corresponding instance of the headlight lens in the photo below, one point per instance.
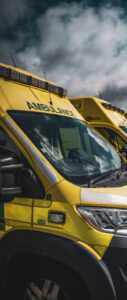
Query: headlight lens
(106, 219)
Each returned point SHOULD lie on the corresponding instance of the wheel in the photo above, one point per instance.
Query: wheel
(44, 289)
(45, 280)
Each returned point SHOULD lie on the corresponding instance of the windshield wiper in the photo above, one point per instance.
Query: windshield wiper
(114, 174)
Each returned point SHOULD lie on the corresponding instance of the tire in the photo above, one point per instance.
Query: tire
(43, 279)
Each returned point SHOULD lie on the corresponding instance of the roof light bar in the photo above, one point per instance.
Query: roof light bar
(10, 74)
(112, 107)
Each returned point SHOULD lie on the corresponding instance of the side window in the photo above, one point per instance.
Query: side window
(116, 141)
(7, 147)
(121, 142)
(16, 173)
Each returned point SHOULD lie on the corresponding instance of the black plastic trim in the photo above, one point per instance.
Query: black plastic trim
(119, 241)
(116, 260)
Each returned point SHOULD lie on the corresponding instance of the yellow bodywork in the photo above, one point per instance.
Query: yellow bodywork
(33, 214)
(103, 118)
(93, 107)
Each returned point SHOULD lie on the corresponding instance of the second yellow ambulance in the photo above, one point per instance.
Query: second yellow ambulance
(107, 119)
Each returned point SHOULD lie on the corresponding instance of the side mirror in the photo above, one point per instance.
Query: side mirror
(15, 180)
(9, 186)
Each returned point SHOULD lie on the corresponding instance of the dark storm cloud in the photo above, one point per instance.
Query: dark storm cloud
(116, 95)
(80, 48)
(80, 45)
(11, 12)
(13, 17)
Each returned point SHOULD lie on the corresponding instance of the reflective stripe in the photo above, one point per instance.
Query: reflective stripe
(94, 197)
(122, 232)
(42, 165)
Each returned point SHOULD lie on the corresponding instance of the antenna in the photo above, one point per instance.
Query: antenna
(100, 96)
(13, 60)
(49, 91)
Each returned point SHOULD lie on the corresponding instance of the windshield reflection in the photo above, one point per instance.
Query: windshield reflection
(76, 151)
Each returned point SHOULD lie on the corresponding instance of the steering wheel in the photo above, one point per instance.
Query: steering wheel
(81, 156)
(73, 153)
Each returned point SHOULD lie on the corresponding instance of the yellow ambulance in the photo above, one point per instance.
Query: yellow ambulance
(63, 198)
(106, 118)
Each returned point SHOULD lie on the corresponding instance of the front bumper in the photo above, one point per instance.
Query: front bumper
(115, 259)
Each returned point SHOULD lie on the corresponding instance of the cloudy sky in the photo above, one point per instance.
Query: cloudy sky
(81, 45)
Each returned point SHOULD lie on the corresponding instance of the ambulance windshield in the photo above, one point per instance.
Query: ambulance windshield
(76, 151)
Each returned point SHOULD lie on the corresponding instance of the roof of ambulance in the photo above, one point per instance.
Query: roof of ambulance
(89, 97)
(19, 95)
(23, 71)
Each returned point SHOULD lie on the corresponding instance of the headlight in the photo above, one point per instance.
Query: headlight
(106, 219)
